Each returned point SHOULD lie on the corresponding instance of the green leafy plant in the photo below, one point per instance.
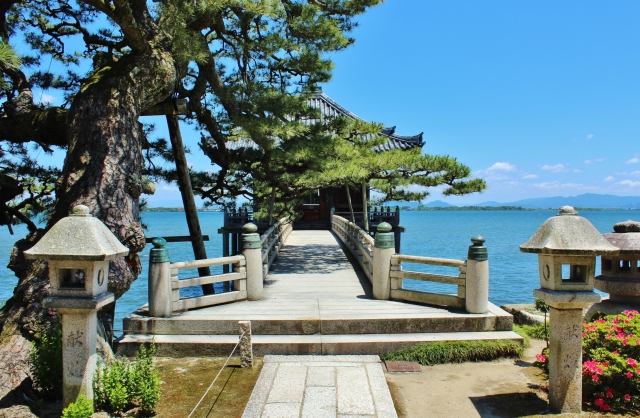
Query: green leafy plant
(539, 331)
(542, 306)
(611, 363)
(46, 361)
(456, 352)
(81, 408)
(123, 384)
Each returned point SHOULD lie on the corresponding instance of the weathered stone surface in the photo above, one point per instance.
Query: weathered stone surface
(80, 236)
(627, 226)
(568, 233)
(17, 411)
(565, 360)
(246, 347)
(521, 316)
(15, 375)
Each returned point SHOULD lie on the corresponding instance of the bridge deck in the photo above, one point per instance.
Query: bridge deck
(317, 300)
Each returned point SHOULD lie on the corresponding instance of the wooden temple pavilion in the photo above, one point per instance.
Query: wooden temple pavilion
(316, 210)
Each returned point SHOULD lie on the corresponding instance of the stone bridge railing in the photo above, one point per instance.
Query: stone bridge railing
(384, 269)
(249, 271)
(357, 240)
(272, 241)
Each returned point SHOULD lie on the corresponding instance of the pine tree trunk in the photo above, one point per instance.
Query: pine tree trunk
(353, 215)
(365, 213)
(101, 170)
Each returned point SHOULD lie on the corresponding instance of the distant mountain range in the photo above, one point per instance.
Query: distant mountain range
(587, 200)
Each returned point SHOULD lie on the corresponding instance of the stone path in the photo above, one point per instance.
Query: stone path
(319, 387)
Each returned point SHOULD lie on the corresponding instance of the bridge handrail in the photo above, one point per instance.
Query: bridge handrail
(239, 278)
(384, 270)
(360, 243)
(272, 241)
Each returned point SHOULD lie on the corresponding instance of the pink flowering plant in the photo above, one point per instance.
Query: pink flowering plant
(611, 363)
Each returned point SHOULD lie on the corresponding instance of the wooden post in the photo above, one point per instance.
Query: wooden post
(273, 201)
(190, 210)
(365, 214)
(353, 216)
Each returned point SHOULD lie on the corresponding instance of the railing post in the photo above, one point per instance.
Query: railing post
(383, 249)
(252, 251)
(160, 303)
(477, 282)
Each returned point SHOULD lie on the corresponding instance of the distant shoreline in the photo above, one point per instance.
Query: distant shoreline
(427, 209)
(422, 208)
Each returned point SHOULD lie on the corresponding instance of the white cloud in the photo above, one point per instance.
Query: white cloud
(502, 167)
(595, 160)
(558, 185)
(632, 161)
(530, 176)
(170, 188)
(575, 170)
(589, 136)
(630, 183)
(610, 178)
(47, 98)
(558, 168)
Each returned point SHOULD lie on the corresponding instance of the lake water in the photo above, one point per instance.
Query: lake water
(513, 275)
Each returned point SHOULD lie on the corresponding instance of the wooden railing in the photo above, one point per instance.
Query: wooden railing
(398, 292)
(272, 241)
(238, 277)
(357, 240)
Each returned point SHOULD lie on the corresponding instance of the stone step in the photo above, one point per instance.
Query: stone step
(336, 322)
(221, 345)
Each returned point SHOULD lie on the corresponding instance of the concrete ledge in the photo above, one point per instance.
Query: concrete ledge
(263, 345)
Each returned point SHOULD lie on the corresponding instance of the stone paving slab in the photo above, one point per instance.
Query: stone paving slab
(321, 387)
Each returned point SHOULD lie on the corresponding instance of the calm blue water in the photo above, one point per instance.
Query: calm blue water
(513, 275)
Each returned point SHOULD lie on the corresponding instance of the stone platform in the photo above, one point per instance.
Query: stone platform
(321, 387)
(317, 301)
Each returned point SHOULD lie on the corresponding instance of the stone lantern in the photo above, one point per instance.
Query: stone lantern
(572, 241)
(78, 249)
(620, 273)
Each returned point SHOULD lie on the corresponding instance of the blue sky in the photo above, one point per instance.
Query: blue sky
(539, 98)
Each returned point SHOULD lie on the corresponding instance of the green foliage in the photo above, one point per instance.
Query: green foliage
(124, 384)
(539, 331)
(81, 408)
(46, 361)
(541, 305)
(611, 363)
(456, 352)
(521, 332)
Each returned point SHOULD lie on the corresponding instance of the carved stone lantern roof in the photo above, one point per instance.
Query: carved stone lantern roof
(80, 237)
(568, 233)
(626, 237)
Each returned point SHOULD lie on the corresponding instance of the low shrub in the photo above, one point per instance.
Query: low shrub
(539, 331)
(81, 408)
(521, 332)
(46, 361)
(124, 384)
(611, 363)
(456, 352)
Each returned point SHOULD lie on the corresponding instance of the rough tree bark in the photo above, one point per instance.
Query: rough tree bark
(102, 170)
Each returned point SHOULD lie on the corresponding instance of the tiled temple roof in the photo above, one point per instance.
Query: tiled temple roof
(330, 109)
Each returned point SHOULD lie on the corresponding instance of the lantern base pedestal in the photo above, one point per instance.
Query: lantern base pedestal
(565, 346)
(79, 340)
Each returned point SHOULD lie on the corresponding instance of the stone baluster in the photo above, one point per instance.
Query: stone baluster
(477, 281)
(160, 303)
(383, 250)
(253, 255)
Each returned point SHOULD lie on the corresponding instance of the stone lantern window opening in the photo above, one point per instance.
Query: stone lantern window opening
(607, 264)
(71, 278)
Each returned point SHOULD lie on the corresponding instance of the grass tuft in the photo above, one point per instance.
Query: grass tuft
(457, 352)
(521, 332)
